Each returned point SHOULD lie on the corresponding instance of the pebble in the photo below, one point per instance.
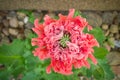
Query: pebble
(94, 19)
(27, 32)
(13, 22)
(105, 26)
(5, 23)
(21, 24)
(20, 36)
(117, 43)
(111, 35)
(117, 36)
(13, 32)
(115, 13)
(107, 32)
(116, 70)
(4, 40)
(29, 25)
(117, 19)
(114, 58)
(11, 15)
(5, 31)
(2, 35)
(11, 37)
(21, 15)
(26, 19)
(37, 15)
(114, 28)
(107, 17)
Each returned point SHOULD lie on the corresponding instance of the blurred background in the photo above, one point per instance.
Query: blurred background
(17, 17)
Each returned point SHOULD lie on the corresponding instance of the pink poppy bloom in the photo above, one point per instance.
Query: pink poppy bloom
(64, 42)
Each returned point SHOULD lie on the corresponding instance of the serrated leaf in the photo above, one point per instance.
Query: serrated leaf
(98, 73)
(30, 76)
(99, 35)
(89, 72)
(57, 76)
(78, 13)
(11, 52)
(31, 18)
(3, 74)
(109, 75)
(10, 59)
(100, 52)
(11, 56)
(15, 48)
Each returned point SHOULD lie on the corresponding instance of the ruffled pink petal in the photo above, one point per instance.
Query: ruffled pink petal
(62, 18)
(36, 23)
(48, 69)
(86, 64)
(92, 58)
(41, 53)
(89, 27)
(72, 47)
(71, 13)
(47, 17)
(57, 37)
(78, 64)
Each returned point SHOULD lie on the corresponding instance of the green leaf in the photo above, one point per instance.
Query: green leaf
(100, 52)
(99, 35)
(31, 18)
(78, 13)
(85, 30)
(27, 12)
(11, 56)
(30, 76)
(89, 72)
(3, 74)
(10, 59)
(10, 53)
(15, 48)
(98, 73)
(57, 76)
(108, 74)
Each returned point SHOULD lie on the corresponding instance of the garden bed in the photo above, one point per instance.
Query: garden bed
(19, 23)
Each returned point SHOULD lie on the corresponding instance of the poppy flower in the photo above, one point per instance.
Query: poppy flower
(64, 42)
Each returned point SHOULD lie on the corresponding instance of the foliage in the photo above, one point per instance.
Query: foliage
(19, 60)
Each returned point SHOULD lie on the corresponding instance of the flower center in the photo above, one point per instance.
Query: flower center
(66, 37)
